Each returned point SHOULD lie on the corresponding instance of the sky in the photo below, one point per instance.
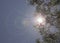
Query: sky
(12, 14)
(12, 27)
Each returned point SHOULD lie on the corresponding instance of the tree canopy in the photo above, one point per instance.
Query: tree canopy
(50, 8)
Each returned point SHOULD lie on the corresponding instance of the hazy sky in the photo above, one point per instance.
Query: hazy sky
(12, 13)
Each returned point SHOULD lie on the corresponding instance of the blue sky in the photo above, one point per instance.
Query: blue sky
(11, 31)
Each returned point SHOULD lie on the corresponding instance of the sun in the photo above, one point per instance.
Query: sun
(40, 20)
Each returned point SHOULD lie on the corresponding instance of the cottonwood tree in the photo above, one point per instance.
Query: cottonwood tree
(50, 8)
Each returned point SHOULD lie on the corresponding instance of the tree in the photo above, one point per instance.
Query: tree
(50, 8)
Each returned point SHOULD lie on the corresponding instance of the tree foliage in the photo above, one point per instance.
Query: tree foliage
(51, 8)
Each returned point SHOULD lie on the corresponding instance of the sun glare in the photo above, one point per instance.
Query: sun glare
(40, 20)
